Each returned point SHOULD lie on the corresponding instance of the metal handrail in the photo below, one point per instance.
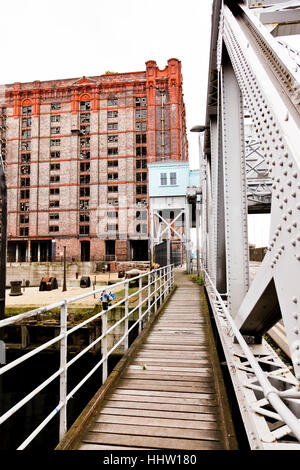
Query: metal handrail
(270, 393)
(156, 290)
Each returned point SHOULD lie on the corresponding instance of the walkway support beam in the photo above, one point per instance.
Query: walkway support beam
(253, 75)
(235, 192)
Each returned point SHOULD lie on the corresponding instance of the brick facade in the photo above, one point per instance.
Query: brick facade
(76, 154)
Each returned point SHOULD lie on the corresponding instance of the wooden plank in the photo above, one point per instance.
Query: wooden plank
(185, 329)
(173, 347)
(168, 362)
(186, 339)
(151, 442)
(177, 359)
(107, 447)
(175, 340)
(159, 414)
(167, 368)
(175, 353)
(172, 341)
(159, 431)
(208, 402)
(180, 334)
(160, 393)
(150, 375)
(179, 320)
(157, 422)
(162, 354)
(156, 406)
(177, 324)
(167, 386)
(202, 372)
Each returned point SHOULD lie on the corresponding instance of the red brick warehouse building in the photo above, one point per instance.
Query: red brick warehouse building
(76, 154)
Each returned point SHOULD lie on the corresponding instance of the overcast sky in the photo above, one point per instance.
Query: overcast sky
(50, 39)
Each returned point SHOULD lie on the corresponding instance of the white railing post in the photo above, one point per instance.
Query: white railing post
(165, 282)
(126, 317)
(155, 291)
(104, 346)
(63, 374)
(160, 285)
(140, 304)
(149, 295)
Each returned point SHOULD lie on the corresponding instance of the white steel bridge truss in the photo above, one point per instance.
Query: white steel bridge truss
(250, 69)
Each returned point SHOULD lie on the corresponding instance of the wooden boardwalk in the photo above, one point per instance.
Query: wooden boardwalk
(171, 395)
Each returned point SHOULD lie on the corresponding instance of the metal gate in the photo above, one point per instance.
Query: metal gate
(161, 254)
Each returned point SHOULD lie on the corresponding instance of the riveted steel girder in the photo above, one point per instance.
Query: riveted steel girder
(276, 118)
(254, 71)
(236, 231)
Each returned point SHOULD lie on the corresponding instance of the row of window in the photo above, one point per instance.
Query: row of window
(84, 167)
(114, 202)
(26, 157)
(85, 129)
(84, 180)
(86, 105)
(84, 154)
(85, 217)
(85, 142)
(84, 229)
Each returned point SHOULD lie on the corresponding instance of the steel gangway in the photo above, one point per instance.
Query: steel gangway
(254, 76)
(167, 390)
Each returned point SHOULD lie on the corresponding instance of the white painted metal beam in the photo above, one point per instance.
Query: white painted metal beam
(277, 122)
(235, 197)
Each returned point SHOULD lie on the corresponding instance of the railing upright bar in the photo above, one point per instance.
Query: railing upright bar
(155, 291)
(126, 317)
(160, 285)
(140, 304)
(104, 346)
(63, 366)
(149, 295)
